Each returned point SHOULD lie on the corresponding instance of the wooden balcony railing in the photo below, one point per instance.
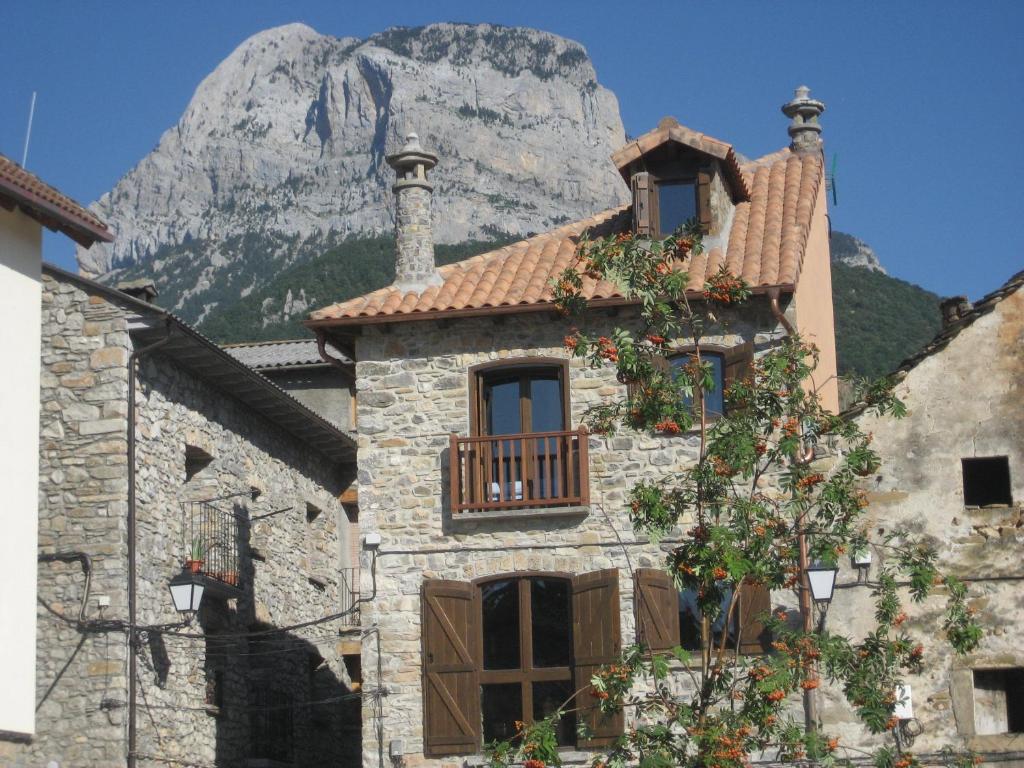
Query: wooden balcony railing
(540, 469)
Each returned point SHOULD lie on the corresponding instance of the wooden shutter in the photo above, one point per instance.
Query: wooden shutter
(451, 679)
(737, 363)
(755, 600)
(704, 200)
(657, 609)
(661, 365)
(596, 641)
(640, 184)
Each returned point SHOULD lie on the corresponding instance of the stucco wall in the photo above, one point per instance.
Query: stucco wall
(814, 312)
(20, 255)
(82, 675)
(413, 391)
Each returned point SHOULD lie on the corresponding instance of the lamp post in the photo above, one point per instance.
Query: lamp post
(819, 584)
(186, 592)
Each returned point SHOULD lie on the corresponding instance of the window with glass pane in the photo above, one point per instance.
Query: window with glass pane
(527, 658)
(690, 617)
(677, 204)
(714, 399)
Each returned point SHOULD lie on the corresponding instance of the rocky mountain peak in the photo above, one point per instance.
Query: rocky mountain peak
(854, 252)
(280, 152)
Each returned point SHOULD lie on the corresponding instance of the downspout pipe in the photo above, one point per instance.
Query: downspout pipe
(133, 359)
(70, 557)
(806, 608)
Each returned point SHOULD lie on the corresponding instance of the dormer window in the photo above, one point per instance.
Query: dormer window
(663, 204)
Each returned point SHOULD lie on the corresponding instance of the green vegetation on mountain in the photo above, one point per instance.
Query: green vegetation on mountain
(351, 268)
(880, 320)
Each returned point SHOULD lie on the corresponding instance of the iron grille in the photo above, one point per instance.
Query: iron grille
(348, 588)
(211, 541)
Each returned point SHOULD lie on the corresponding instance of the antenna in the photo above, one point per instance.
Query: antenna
(28, 132)
(830, 180)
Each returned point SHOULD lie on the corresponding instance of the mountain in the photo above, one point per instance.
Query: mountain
(880, 320)
(280, 153)
(854, 252)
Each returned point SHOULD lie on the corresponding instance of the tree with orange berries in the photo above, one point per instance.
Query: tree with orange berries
(755, 507)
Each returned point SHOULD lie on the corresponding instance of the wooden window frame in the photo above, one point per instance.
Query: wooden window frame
(524, 366)
(526, 675)
(646, 199)
(734, 359)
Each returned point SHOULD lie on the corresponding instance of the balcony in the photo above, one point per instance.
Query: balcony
(348, 593)
(211, 541)
(521, 475)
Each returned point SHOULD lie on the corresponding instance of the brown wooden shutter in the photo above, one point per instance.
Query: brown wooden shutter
(737, 362)
(704, 200)
(596, 641)
(640, 183)
(661, 365)
(755, 600)
(451, 679)
(657, 609)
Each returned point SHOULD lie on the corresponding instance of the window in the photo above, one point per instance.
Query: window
(677, 204)
(998, 701)
(527, 654)
(714, 398)
(312, 513)
(662, 203)
(987, 481)
(667, 618)
(521, 400)
(196, 460)
(521, 453)
(515, 648)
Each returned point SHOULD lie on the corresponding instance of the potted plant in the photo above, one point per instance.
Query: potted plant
(194, 562)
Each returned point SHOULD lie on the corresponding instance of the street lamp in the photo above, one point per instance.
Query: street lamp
(186, 592)
(822, 579)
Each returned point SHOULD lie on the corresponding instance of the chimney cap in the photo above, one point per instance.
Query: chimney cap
(954, 309)
(803, 112)
(412, 154)
(143, 288)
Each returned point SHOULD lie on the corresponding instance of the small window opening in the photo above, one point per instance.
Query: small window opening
(354, 667)
(196, 460)
(987, 481)
(691, 619)
(318, 584)
(998, 701)
(677, 204)
(312, 512)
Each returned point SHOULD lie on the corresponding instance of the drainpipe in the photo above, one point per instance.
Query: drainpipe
(327, 357)
(806, 609)
(133, 359)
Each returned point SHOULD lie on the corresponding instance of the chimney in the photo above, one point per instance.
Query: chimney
(414, 242)
(953, 309)
(143, 289)
(804, 128)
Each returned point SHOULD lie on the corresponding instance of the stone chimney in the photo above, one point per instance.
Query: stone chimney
(804, 128)
(414, 240)
(953, 309)
(143, 289)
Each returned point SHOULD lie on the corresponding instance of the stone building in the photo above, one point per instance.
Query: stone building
(27, 204)
(501, 566)
(953, 473)
(214, 464)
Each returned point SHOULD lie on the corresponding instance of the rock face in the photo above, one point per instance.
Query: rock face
(281, 151)
(854, 252)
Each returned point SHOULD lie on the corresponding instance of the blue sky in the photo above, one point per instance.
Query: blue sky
(925, 100)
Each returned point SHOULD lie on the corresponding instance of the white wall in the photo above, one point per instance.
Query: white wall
(20, 260)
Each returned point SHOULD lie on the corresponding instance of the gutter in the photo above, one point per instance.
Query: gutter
(133, 359)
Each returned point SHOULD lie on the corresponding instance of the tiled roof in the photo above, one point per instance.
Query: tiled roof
(49, 207)
(766, 247)
(264, 355)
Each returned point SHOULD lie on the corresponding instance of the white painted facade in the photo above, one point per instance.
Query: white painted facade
(20, 289)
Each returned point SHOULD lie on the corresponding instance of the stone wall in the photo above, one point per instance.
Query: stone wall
(963, 402)
(413, 391)
(290, 544)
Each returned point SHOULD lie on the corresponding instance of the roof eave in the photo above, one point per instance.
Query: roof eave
(53, 217)
(507, 309)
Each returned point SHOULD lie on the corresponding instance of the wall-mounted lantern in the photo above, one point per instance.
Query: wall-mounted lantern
(822, 579)
(187, 592)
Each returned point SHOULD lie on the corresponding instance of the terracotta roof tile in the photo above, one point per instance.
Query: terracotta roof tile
(48, 206)
(766, 247)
